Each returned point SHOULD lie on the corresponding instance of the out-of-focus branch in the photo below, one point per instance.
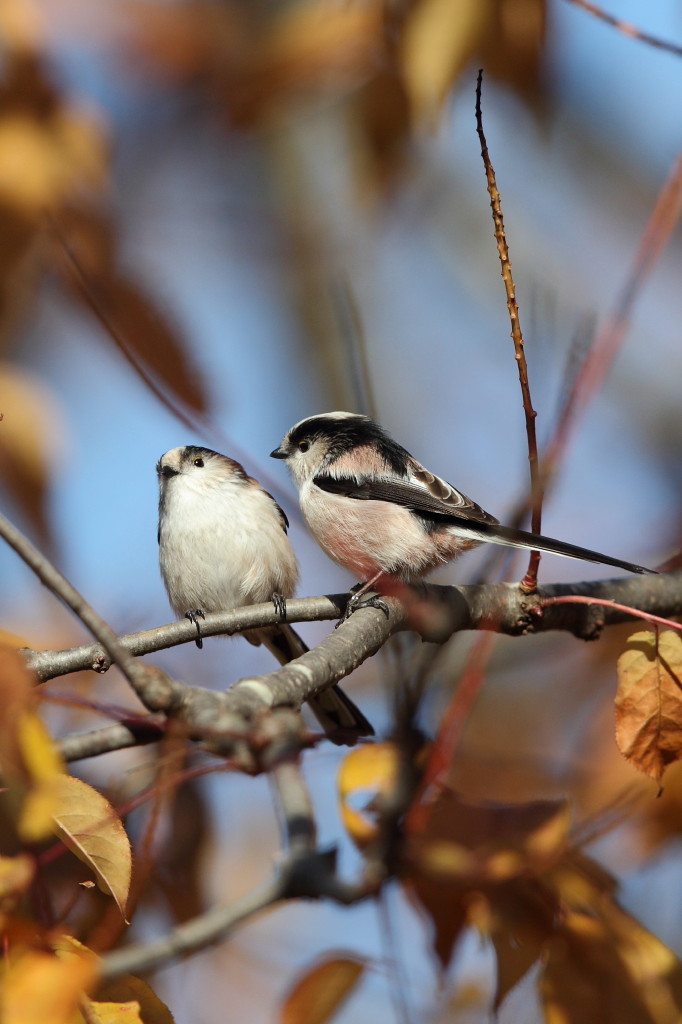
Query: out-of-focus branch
(153, 688)
(529, 581)
(607, 341)
(305, 871)
(119, 736)
(195, 934)
(627, 28)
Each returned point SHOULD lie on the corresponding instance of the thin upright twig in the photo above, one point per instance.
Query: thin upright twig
(529, 581)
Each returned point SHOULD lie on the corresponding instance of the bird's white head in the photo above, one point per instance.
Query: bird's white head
(198, 469)
(315, 442)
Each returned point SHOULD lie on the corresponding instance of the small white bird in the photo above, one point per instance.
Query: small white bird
(222, 545)
(377, 511)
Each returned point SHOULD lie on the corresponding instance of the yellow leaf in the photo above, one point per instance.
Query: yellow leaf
(90, 827)
(41, 759)
(42, 989)
(44, 768)
(321, 990)
(648, 701)
(118, 1013)
(370, 768)
(128, 989)
(440, 37)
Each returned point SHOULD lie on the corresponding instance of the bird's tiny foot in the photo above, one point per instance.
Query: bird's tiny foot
(280, 604)
(194, 614)
(358, 600)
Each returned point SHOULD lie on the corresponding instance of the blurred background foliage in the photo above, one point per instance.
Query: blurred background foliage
(219, 217)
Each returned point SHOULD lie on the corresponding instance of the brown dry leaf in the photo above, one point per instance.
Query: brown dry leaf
(370, 770)
(16, 874)
(127, 989)
(145, 335)
(32, 436)
(584, 979)
(439, 38)
(649, 701)
(512, 48)
(652, 965)
(467, 852)
(381, 120)
(183, 40)
(39, 987)
(178, 864)
(44, 769)
(315, 44)
(17, 696)
(321, 990)
(89, 826)
(520, 921)
(50, 151)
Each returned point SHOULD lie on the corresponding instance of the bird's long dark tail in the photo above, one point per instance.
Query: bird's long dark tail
(495, 534)
(341, 719)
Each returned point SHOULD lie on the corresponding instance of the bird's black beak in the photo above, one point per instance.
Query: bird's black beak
(168, 471)
(279, 453)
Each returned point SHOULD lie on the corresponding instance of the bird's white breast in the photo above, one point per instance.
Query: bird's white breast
(222, 546)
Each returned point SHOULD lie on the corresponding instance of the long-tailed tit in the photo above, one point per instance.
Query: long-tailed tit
(377, 511)
(223, 544)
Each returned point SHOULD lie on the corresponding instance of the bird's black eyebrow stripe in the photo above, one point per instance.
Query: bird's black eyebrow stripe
(351, 432)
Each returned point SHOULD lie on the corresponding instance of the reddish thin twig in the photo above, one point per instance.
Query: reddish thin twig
(450, 731)
(636, 613)
(529, 581)
(627, 28)
(607, 341)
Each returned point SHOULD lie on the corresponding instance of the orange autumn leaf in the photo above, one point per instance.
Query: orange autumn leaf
(321, 990)
(39, 988)
(127, 990)
(649, 701)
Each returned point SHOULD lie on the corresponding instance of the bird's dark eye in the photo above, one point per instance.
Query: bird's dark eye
(303, 446)
(199, 463)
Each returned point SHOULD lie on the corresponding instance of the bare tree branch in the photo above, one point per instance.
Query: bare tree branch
(196, 934)
(496, 606)
(226, 721)
(50, 664)
(119, 736)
